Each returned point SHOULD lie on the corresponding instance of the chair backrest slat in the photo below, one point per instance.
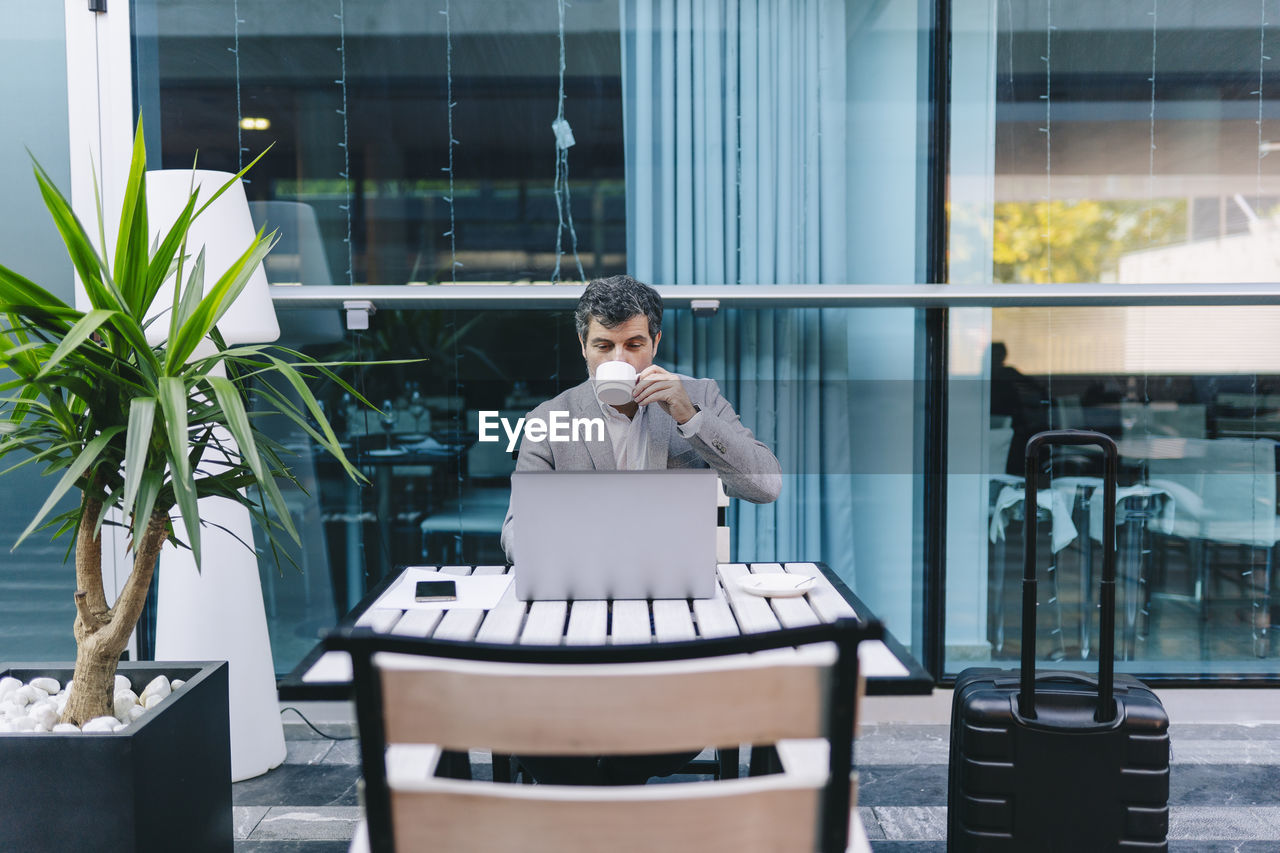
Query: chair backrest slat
(752, 818)
(605, 708)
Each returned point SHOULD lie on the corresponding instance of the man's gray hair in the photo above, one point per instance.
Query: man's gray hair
(615, 300)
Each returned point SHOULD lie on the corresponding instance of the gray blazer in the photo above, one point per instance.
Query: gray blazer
(746, 467)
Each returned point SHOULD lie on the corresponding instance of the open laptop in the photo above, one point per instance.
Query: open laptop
(587, 535)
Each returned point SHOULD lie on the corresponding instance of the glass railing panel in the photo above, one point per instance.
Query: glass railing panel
(838, 417)
(1192, 398)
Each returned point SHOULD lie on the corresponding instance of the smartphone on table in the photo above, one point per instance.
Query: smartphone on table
(436, 591)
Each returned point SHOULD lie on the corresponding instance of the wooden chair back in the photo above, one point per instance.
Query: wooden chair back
(794, 688)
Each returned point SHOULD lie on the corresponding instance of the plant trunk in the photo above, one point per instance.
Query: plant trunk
(95, 676)
(101, 633)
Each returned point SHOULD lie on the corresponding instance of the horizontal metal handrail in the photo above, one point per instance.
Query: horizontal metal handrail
(565, 296)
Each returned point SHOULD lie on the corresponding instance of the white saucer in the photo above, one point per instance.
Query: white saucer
(777, 584)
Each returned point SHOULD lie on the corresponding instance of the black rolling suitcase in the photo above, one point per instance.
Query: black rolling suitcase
(1059, 761)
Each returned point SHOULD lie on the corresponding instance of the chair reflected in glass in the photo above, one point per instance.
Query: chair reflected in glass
(1007, 516)
(418, 698)
(465, 528)
(1225, 496)
(1068, 507)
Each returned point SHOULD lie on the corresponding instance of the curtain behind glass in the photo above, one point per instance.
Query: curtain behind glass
(735, 119)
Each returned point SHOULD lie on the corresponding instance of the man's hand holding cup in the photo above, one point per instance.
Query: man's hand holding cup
(655, 385)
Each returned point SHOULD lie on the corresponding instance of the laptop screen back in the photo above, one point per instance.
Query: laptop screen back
(590, 535)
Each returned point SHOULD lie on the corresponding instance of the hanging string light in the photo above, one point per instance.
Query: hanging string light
(345, 174)
(448, 77)
(564, 141)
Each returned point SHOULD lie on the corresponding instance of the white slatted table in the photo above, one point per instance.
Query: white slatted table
(887, 667)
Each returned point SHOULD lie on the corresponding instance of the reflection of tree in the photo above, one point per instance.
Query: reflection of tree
(1086, 238)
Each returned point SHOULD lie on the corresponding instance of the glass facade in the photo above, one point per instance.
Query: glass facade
(519, 143)
(438, 495)
(36, 608)
(418, 143)
(1118, 143)
(757, 142)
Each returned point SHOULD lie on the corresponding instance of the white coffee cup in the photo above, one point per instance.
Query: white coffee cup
(614, 382)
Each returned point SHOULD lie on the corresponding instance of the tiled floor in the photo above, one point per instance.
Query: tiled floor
(1225, 785)
(310, 803)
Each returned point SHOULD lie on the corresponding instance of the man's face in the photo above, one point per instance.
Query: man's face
(629, 342)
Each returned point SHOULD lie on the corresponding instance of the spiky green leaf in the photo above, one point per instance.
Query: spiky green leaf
(217, 300)
(142, 413)
(78, 467)
(78, 334)
(173, 405)
(89, 265)
(130, 265)
(237, 419)
(191, 296)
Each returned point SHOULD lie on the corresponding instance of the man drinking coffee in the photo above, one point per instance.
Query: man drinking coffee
(619, 319)
(653, 419)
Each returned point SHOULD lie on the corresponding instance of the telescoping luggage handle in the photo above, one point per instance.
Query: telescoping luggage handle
(1107, 621)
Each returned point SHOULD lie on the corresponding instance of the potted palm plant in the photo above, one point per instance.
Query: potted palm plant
(130, 427)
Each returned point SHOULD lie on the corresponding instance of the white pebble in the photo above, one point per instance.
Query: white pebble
(101, 724)
(23, 724)
(48, 685)
(44, 715)
(38, 705)
(124, 700)
(159, 686)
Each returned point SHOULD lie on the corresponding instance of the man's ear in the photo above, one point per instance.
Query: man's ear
(583, 345)
(656, 338)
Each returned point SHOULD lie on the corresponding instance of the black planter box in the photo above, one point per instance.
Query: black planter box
(162, 783)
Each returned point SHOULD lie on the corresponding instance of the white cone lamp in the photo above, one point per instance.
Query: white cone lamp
(217, 613)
